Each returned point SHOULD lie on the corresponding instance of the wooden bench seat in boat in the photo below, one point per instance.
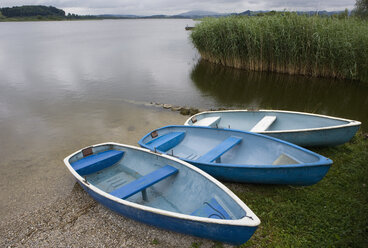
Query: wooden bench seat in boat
(144, 182)
(220, 149)
(264, 123)
(97, 162)
(167, 141)
(208, 122)
(212, 209)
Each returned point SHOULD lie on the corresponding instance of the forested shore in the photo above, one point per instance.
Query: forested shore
(38, 13)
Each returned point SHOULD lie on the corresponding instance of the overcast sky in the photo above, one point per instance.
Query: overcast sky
(170, 7)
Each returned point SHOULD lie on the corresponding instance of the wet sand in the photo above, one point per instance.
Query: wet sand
(43, 206)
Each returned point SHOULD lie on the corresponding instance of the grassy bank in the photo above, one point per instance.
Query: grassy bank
(332, 213)
(287, 43)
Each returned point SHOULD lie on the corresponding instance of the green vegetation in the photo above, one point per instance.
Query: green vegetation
(196, 245)
(155, 242)
(38, 13)
(288, 43)
(361, 8)
(32, 10)
(331, 213)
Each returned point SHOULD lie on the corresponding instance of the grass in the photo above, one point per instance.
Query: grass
(287, 43)
(155, 242)
(331, 213)
(196, 245)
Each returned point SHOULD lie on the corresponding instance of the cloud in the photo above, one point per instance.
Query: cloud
(149, 7)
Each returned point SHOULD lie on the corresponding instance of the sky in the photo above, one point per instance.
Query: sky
(171, 7)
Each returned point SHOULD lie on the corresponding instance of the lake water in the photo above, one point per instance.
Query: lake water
(66, 85)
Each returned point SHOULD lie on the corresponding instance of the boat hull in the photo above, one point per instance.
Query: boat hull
(302, 176)
(323, 137)
(247, 162)
(231, 234)
(204, 207)
(303, 129)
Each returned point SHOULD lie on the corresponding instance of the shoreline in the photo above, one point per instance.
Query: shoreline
(46, 20)
(67, 216)
(84, 19)
(73, 218)
(78, 220)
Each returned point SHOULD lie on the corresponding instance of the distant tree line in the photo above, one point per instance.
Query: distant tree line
(32, 10)
(39, 12)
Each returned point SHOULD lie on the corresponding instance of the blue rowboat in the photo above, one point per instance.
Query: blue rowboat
(239, 156)
(162, 191)
(302, 129)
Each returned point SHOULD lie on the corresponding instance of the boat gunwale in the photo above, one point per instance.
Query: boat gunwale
(245, 221)
(350, 122)
(322, 160)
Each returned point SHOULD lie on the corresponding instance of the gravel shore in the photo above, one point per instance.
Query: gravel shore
(79, 221)
(43, 206)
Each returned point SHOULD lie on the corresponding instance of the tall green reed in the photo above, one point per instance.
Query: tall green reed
(287, 43)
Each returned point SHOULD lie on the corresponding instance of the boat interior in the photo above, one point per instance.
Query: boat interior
(152, 180)
(261, 121)
(209, 145)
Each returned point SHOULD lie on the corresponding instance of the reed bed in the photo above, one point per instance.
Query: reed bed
(287, 43)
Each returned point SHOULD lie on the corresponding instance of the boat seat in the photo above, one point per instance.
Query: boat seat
(144, 182)
(263, 124)
(208, 122)
(220, 149)
(212, 209)
(97, 162)
(167, 141)
(285, 159)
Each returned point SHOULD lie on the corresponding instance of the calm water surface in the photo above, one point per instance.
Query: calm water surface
(242, 89)
(65, 85)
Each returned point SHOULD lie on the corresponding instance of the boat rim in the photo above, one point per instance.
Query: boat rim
(322, 160)
(350, 122)
(250, 220)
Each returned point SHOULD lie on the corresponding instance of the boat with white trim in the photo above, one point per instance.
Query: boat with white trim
(304, 129)
(163, 191)
(239, 156)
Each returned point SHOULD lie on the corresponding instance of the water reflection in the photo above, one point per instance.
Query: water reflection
(243, 89)
(65, 85)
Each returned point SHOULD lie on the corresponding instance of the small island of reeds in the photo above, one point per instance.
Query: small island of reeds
(287, 43)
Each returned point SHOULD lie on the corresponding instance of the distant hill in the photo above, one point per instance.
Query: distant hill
(32, 10)
(199, 13)
(189, 15)
(52, 13)
(38, 13)
(119, 16)
(260, 12)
